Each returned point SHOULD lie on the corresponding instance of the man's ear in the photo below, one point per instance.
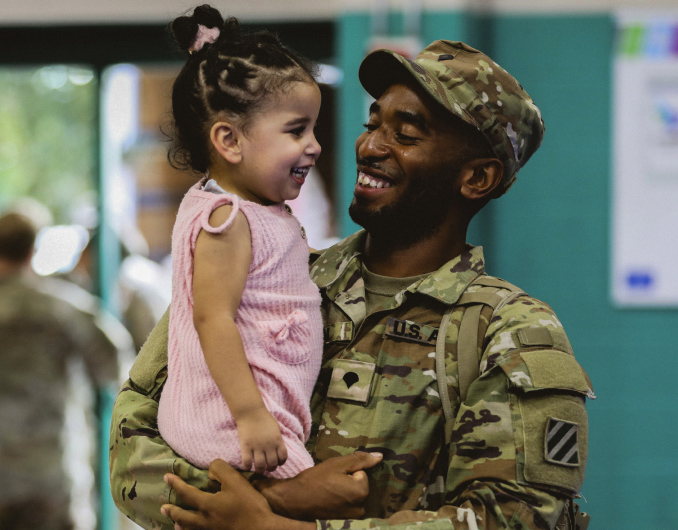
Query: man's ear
(480, 177)
(225, 138)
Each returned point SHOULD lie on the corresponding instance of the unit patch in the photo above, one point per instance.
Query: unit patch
(408, 330)
(562, 443)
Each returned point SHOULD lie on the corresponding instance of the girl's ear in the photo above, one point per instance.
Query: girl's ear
(226, 141)
(480, 177)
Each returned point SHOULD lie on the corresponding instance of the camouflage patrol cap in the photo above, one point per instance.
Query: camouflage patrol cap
(471, 86)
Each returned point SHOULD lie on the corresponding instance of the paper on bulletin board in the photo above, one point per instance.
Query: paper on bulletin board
(645, 160)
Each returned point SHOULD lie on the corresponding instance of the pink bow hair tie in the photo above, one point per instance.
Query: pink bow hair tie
(203, 36)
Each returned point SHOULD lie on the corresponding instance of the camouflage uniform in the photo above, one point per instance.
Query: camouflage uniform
(378, 392)
(42, 335)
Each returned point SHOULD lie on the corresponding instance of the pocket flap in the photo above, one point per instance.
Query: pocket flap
(547, 369)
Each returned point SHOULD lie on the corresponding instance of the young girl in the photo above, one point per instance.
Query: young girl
(245, 340)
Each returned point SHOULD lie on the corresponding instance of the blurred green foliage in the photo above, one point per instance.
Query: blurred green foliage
(48, 125)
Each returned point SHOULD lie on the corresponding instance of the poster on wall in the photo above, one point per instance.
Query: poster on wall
(645, 162)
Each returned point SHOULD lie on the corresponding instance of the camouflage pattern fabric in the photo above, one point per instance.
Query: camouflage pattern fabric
(472, 87)
(42, 335)
(378, 392)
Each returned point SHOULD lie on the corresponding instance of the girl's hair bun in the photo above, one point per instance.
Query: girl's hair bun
(230, 71)
(185, 28)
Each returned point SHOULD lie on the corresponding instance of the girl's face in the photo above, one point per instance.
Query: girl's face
(280, 147)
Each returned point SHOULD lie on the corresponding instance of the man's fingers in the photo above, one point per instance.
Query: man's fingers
(223, 473)
(361, 481)
(361, 460)
(186, 519)
(359, 475)
(186, 492)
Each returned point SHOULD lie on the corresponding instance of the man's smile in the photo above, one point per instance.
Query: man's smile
(370, 181)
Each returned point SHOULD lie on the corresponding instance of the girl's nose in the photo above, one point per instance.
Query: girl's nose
(313, 148)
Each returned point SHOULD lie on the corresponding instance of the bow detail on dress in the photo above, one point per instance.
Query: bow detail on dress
(282, 329)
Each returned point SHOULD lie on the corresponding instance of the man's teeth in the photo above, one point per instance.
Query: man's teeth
(300, 172)
(371, 182)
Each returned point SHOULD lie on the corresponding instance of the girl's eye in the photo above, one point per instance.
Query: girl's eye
(299, 131)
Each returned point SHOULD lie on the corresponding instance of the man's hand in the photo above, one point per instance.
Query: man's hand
(334, 489)
(238, 506)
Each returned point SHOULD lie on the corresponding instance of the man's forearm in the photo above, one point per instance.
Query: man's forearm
(492, 506)
(139, 458)
(336, 488)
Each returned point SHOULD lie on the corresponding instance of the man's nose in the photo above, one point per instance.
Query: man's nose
(372, 145)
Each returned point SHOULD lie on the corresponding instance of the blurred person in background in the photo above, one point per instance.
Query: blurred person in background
(57, 344)
(145, 287)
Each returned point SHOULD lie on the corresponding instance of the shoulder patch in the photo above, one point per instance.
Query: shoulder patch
(554, 431)
(562, 442)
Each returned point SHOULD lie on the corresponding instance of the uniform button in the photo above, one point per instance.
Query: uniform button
(288, 209)
(303, 233)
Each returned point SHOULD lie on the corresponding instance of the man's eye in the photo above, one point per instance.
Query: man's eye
(370, 126)
(404, 138)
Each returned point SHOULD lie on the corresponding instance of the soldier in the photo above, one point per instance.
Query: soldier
(444, 443)
(43, 336)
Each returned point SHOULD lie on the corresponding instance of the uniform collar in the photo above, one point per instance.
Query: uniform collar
(337, 270)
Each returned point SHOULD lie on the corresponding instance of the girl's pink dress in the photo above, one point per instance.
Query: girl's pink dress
(280, 324)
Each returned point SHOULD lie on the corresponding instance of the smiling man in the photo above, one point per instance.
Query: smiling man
(448, 399)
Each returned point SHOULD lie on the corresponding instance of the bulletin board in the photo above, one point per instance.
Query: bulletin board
(645, 162)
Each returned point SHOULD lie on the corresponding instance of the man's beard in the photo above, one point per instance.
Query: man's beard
(413, 217)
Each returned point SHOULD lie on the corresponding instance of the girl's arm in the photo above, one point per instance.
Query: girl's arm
(221, 265)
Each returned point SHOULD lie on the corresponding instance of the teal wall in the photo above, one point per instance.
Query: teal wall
(551, 235)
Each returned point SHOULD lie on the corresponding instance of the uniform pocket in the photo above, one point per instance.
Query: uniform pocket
(288, 340)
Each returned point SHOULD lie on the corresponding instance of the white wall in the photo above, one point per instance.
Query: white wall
(47, 12)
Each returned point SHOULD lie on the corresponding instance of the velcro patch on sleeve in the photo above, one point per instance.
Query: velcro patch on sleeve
(553, 429)
(530, 337)
(562, 442)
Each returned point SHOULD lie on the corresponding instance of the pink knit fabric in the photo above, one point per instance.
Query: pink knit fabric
(281, 328)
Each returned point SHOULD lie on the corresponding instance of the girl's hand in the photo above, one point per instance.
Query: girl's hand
(261, 443)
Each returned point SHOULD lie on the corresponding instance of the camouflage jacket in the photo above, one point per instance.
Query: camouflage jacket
(519, 444)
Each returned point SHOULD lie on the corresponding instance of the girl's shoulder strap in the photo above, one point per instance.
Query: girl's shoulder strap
(219, 199)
